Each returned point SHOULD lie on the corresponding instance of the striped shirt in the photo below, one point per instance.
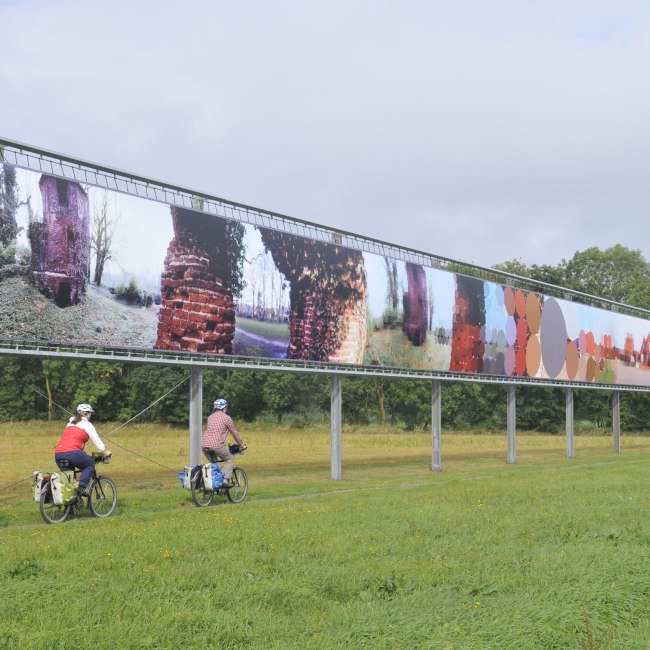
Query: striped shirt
(219, 424)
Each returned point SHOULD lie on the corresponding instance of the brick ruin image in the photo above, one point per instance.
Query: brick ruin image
(416, 305)
(61, 242)
(469, 316)
(197, 311)
(327, 297)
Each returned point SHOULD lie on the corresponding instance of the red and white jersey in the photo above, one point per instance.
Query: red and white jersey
(75, 437)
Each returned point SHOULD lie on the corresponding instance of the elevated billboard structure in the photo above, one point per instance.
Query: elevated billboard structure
(180, 277)
(201, 280)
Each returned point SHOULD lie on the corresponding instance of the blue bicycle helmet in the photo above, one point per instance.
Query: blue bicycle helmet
(220, 404)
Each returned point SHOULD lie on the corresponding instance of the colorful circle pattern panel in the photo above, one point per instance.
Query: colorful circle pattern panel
(553, 338)
(505, 331)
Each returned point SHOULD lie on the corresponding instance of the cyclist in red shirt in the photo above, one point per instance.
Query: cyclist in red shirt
(70, 447)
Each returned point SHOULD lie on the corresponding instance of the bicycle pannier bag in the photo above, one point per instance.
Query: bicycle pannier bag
(186, 476)
(63, 492)
(69, 491)
(57, 494)
(212, 476)
(39, 477)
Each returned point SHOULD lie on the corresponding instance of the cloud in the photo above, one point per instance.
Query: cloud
(480, 131)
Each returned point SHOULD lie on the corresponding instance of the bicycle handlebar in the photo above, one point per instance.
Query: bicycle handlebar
(236, 449)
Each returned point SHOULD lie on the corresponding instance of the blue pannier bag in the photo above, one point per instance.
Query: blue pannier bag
(217, 476)
(212, 476)
(187, 474)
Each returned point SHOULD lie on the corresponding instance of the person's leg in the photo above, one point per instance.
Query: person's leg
(223, 453)
(63, 462)
(85, 463)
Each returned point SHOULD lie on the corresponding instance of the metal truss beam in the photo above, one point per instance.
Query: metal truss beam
(207, 361)
(47, 162)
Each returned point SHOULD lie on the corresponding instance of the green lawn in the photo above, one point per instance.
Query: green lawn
(548, 553)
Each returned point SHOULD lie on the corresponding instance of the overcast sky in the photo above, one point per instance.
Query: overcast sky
(482, 131)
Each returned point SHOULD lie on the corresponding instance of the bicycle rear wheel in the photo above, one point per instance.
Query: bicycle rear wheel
(202, 496)
(103, 497)
(239, 479)
(52, 513)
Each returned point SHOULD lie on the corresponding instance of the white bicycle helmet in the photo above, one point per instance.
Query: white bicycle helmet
(220, 404)
(85, 408)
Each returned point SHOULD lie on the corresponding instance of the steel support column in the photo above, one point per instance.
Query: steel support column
(196, 416)
(616, 420)
(436, 430)
(570, 453)
(512, 426)
(336, 418)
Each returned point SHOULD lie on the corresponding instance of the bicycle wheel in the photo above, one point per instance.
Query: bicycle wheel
(239, 479)
(201, 496)
(103, 497)
(52, 513)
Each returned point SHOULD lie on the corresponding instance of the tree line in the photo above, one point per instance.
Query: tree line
(41, 389)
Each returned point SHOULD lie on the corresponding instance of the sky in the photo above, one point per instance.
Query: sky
(478, 131)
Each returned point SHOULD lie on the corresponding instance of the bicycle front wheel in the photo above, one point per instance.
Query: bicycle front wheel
(52, 513)
(239, 479)
(103, 497)
(202, 496)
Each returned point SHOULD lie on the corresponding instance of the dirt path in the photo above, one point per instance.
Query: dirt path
(249, 344)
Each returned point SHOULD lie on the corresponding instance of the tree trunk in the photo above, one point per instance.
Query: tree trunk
(49, 398)
(381, 400)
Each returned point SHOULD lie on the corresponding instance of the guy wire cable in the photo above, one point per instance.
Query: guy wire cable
(65, 410)
(135, 453)
(110, 433)
(6, 487)
(171, 390)
(114, 430)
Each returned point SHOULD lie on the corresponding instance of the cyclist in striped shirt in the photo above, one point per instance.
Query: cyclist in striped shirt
(214, 437)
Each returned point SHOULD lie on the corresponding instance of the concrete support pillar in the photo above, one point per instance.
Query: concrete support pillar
(616, 420)
(512, 426)
(570, 453)
(196, 416)
(336, 418)
(436, 432)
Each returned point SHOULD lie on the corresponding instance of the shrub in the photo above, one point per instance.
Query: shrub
(392, 318)
(299, 422)
(130, 293)
(23, 255)
(7, 253)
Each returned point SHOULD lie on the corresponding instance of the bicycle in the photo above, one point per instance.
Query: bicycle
(101, 498)
(235, 492)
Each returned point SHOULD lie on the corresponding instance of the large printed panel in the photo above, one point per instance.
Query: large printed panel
(97, 267)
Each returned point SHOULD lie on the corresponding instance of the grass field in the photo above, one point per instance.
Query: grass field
(269, 329)
(549, 553)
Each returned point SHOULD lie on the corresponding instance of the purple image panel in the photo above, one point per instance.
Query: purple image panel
(553, 338)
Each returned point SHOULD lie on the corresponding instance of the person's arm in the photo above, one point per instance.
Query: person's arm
(94, 436)
(235, 434)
